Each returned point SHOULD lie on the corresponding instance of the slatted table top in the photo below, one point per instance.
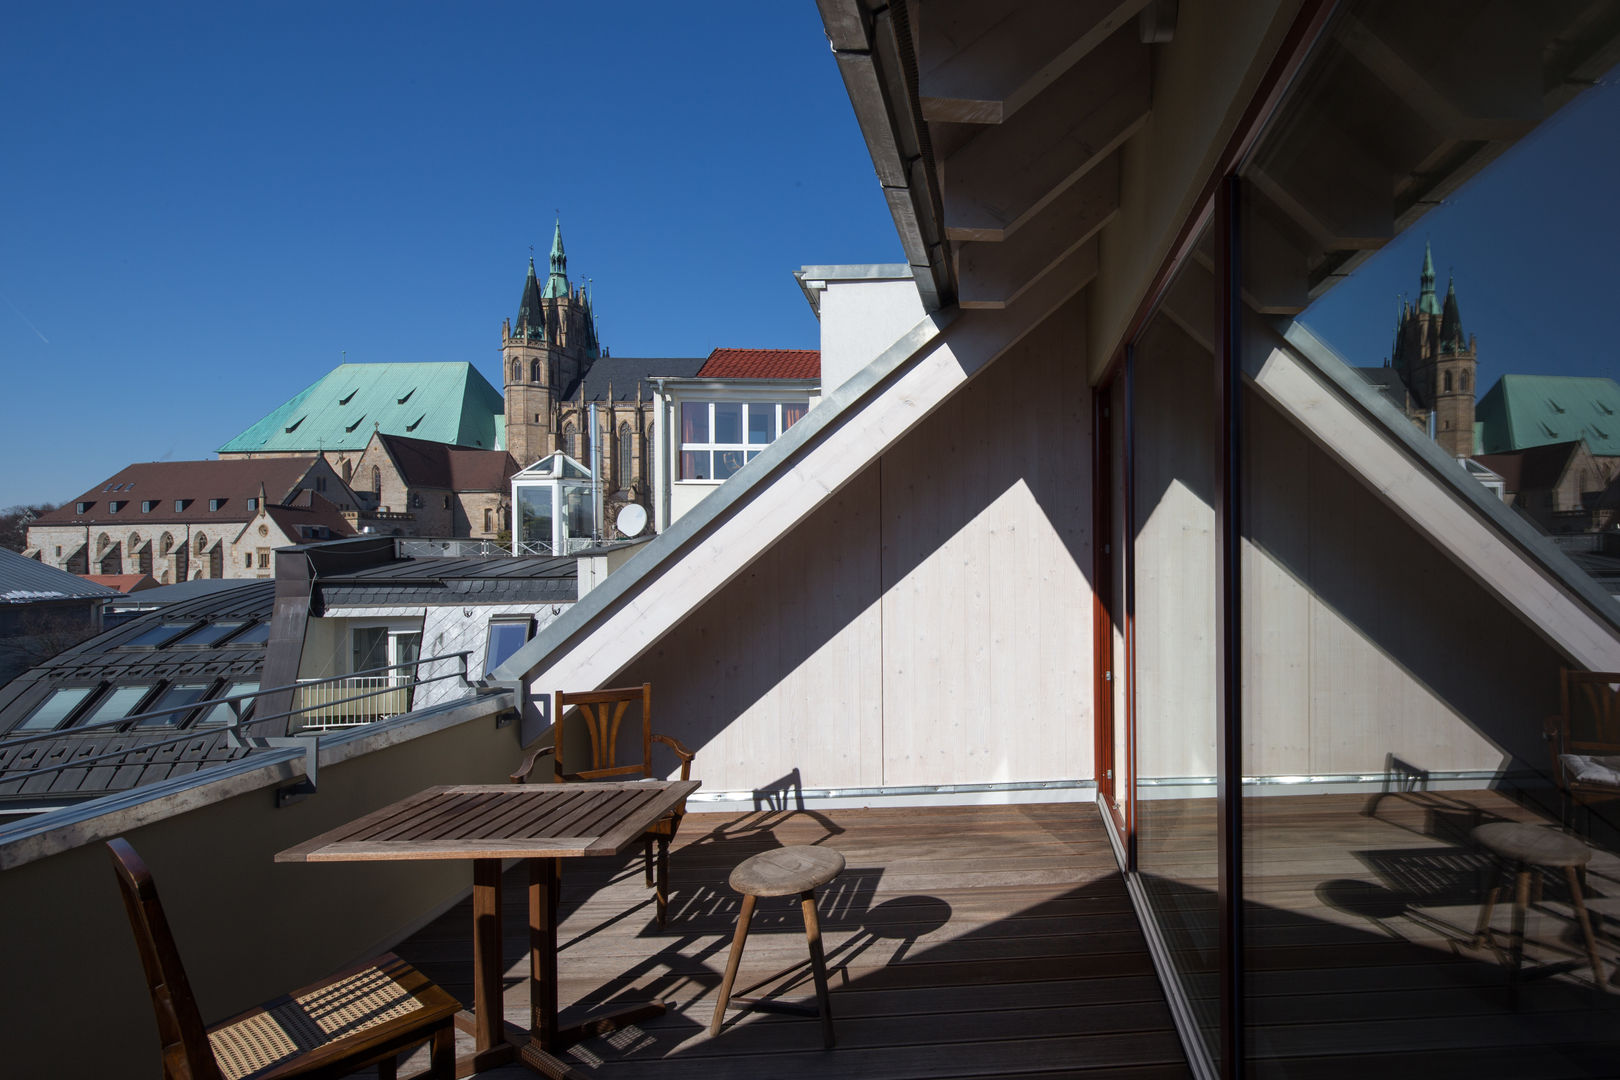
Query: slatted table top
(500, 821)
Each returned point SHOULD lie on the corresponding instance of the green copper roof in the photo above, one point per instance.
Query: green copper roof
(1428, 303)
(1522, 411)
(441, 402)
(557, 281)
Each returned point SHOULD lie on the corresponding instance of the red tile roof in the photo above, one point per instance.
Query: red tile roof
(191, 483)
(309, 509)
(124, 583)
(762, 364)
(455, 468)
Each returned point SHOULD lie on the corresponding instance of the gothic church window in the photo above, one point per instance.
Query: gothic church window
(626, 456)
(568, 440)
(376, 480)
(1465, 380)
(1448, 382)
(534, 371)
(517, 370)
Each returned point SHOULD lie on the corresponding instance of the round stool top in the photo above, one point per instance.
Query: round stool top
(1538, 845)
(785, 871)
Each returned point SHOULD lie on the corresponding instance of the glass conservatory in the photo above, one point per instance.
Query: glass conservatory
(552, 507)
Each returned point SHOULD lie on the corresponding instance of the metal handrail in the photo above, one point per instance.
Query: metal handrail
(134, 720)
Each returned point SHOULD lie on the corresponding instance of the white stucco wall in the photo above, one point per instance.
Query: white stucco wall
(861, 318)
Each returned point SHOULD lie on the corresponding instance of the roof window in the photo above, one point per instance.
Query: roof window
(181, 504)
(357, 423)
(349, 397)
(215, 504)
(253, 504)
(158, 635)
(292, 427)
(1554, 406)
(407, 396)
(115, 505)
(82, 507)
(148, 505)
(50, 713)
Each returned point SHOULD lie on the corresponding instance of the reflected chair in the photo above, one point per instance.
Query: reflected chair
(1585, 740)
(361, 1017)
(602, 713)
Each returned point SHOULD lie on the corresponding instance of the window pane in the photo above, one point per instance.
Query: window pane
(761, 423)
(695, 465)
(694, 421)
(221, 713)
(727, 462)
(793, 412)
(208, 633)
(257, 634)
(505, 638)
(54, 709)
(115, 706)
(157, 634)
(370, 648)
(174, 697)
(728, 422)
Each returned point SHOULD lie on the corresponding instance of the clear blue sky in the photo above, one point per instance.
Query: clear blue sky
(208, 204)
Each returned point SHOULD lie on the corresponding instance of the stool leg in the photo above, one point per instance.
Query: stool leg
(1586, 927)
(1521, 902)
(732, 963)
(818, 964)
(1484, 928)
(662, 892)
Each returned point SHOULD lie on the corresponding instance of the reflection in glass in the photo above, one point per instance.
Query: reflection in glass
(53, 710)
(175, 697)
(727, 462)
(727, 422)
(118, 703)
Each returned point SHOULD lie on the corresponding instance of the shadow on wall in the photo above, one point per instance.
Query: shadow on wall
(1013, 442)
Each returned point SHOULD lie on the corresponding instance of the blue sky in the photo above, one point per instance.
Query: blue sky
(209, 206)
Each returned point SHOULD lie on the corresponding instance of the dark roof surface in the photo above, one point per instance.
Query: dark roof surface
(236, 480)
(527, 579)
(762, 364)
(436, 465)
(24, 580)
(1538, 468)
(628, 375)
(1388, 382)
(309, 510)
(107, 660)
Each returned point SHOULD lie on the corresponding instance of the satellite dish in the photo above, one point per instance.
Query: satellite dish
(632, 519)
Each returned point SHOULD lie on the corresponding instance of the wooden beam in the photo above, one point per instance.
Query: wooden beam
(1276, 267)
(981, 62)
(1332, 188)
(993, 275)
(1005, 175)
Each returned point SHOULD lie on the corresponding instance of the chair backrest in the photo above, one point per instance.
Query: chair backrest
(1591, 712)
(186, 1053)
(602, 713)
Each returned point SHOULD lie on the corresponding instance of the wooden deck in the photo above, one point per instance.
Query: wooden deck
(962, 942)
(1360, 932)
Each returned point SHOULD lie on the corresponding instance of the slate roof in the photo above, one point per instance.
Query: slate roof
(419, 582)
(762, 364)
(1387, 381)
(122, 583)
(308, 510)
(108, 661)
(1522, 411)
(441, 402)
(435, 465)
(24, 580)
(628, 374)
(194, 483)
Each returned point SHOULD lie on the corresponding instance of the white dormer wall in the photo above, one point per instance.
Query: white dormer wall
(863, 310)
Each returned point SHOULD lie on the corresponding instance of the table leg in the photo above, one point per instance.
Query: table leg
(488, 1026)
(543, 896)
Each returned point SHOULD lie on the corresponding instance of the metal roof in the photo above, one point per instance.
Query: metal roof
(1522, 411)
(441, 402)
(24, 581)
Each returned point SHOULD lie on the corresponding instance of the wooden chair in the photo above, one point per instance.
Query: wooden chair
(602, 712)
(1585, 739)
(364, 1016)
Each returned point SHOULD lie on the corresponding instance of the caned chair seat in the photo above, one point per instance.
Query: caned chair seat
(366, 1015)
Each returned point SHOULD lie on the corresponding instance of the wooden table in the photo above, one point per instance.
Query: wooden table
(490, 822)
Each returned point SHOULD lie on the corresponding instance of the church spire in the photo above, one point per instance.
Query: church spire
(1451, 332)
(557, 281)
(531, 320)
(1428, 303)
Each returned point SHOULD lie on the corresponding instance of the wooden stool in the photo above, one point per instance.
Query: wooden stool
(1526, 850)
(782, 872)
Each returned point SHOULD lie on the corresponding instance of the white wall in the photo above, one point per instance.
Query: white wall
(860, 319)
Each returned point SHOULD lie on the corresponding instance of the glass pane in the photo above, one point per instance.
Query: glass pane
(173, 697)
(221, 713)
(694, 421)
(208, 633)
(115, 706)
(793, 412)
(370, 648)
(578, 514)
(727, 462)
(53, 710)
(534, 518)
(761, 423)
(157, 635)
(257, 634)
(695, 465)
(752, 454)
(505, 638)
(727, 422)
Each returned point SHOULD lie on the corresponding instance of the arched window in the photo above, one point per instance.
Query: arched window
(134, 542)
(202, 545)
(568, 440)
(1448, 382)
(166, 544)
(489, 520)
(517, 370)
(534, 371)
(627, 457)
(348, 470)
(1464, 379)
(103, 542)
(376, 480)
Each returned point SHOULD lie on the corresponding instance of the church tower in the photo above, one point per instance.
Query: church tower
(1437, 364)
(544, 355)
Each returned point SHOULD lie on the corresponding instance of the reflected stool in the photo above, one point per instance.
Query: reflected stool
(1525, 850)
(782, 872)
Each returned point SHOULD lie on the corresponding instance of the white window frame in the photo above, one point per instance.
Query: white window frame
(748, 450)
